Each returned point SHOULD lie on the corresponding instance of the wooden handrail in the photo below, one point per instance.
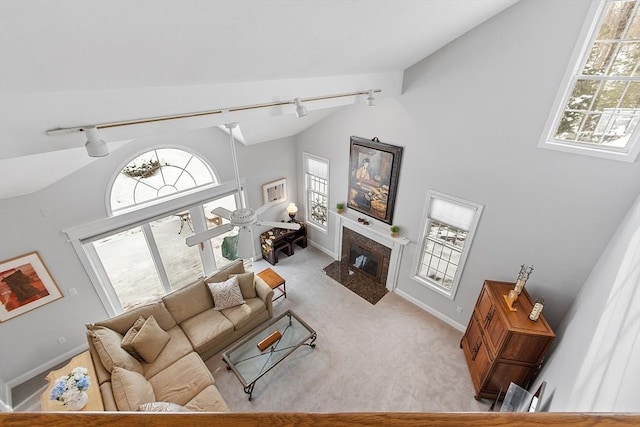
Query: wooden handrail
(392, 419)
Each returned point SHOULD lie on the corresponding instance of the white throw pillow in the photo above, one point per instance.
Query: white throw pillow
(226, 294)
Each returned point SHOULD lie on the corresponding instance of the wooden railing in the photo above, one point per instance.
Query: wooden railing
(479, 419)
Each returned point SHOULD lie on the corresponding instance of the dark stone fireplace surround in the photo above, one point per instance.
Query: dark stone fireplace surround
(354, 241)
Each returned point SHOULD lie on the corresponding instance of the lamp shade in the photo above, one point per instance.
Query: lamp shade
(292, 209)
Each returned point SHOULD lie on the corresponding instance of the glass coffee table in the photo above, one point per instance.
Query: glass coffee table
(258, 353)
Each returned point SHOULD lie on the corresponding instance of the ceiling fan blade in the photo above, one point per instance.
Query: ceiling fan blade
(246, 247)
(223, 212)
(287, 225)
(209, 234)
(264, 207)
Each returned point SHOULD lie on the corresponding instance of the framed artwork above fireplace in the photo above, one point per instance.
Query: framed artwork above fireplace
(374, 168)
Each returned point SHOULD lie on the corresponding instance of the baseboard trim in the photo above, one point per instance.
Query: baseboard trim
(47, 366)
(322, 249)
(449, 321)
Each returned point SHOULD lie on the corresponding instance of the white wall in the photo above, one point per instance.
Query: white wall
(28, 343)
(595, 365)
(469, 120)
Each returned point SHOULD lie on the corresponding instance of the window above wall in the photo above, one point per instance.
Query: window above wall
(597, 111)
(158, 175)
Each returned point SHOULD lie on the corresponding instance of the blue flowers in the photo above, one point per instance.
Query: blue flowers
(69, 388)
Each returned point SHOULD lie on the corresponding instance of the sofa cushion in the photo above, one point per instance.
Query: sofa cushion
(208, 400)
(182, 381)
(205, 328)
(226, 294)
(123, 322)
(130, 389)
(188, 301)
(127, 340)
(150, 340)
(242, 314)
(161, 407)
(247, 284)
(107, 343)
(238, 315)
(177, 347)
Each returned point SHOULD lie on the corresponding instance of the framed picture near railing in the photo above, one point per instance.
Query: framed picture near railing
(275, 191)
(25, 284)
(374, 168)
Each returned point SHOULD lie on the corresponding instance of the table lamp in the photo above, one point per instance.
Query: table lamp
(292, 210)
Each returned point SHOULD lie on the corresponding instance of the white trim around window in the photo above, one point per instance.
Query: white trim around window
(316, 191)
(581, 70)
(448, 228)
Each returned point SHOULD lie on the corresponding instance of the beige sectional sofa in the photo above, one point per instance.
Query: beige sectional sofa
(166, 342)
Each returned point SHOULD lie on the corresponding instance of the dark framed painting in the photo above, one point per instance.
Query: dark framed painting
(374, 168)
(25, 284)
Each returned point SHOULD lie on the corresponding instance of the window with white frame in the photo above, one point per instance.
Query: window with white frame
(144, 256)
(158, 174)
(316, 172)
(598, 112)
(448, 229)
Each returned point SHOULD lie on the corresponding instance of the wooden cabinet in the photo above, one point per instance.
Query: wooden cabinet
(503, 346)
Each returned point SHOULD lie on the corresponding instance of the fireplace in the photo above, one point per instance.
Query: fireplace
(365, 256)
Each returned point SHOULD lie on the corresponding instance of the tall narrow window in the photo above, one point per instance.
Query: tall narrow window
(449, 226)
(599, 111)
(316, 171)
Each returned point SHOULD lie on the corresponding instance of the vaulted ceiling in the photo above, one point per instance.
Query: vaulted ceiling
(72, 63)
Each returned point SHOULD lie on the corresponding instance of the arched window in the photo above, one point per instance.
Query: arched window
(158, 174)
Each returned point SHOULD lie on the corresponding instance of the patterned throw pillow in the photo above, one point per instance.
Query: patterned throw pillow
(162, 407)
(226, 294)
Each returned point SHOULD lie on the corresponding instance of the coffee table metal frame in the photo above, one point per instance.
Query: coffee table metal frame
(248, 352)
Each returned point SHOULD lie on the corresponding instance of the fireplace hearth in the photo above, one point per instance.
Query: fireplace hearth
(364, 266)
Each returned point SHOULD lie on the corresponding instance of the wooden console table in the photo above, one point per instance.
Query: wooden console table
(95, 399)
(281, 238)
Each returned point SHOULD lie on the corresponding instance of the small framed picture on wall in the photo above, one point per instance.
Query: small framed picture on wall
(275, 191)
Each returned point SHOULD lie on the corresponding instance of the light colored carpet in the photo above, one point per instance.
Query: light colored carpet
(388, 357)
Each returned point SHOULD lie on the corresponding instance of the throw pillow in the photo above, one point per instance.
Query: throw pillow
(226, 294)
(247, 284)
(127, 340)
(107, 343)
(130, 389)
(162, 407)
(150, 340)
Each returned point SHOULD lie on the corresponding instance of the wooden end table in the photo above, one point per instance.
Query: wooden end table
(95, 398)
(274, 280)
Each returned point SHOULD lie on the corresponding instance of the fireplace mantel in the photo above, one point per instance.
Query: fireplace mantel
(376, 231)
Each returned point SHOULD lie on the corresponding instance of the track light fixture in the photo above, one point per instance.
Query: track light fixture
(301, 111)
(371, 101)
(95, 146)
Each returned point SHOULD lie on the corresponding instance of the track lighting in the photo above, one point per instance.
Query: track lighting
(95, 146)
(301, 111)
(371, 101)
(98, 148)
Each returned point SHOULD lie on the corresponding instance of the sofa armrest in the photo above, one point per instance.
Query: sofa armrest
(265, 293)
